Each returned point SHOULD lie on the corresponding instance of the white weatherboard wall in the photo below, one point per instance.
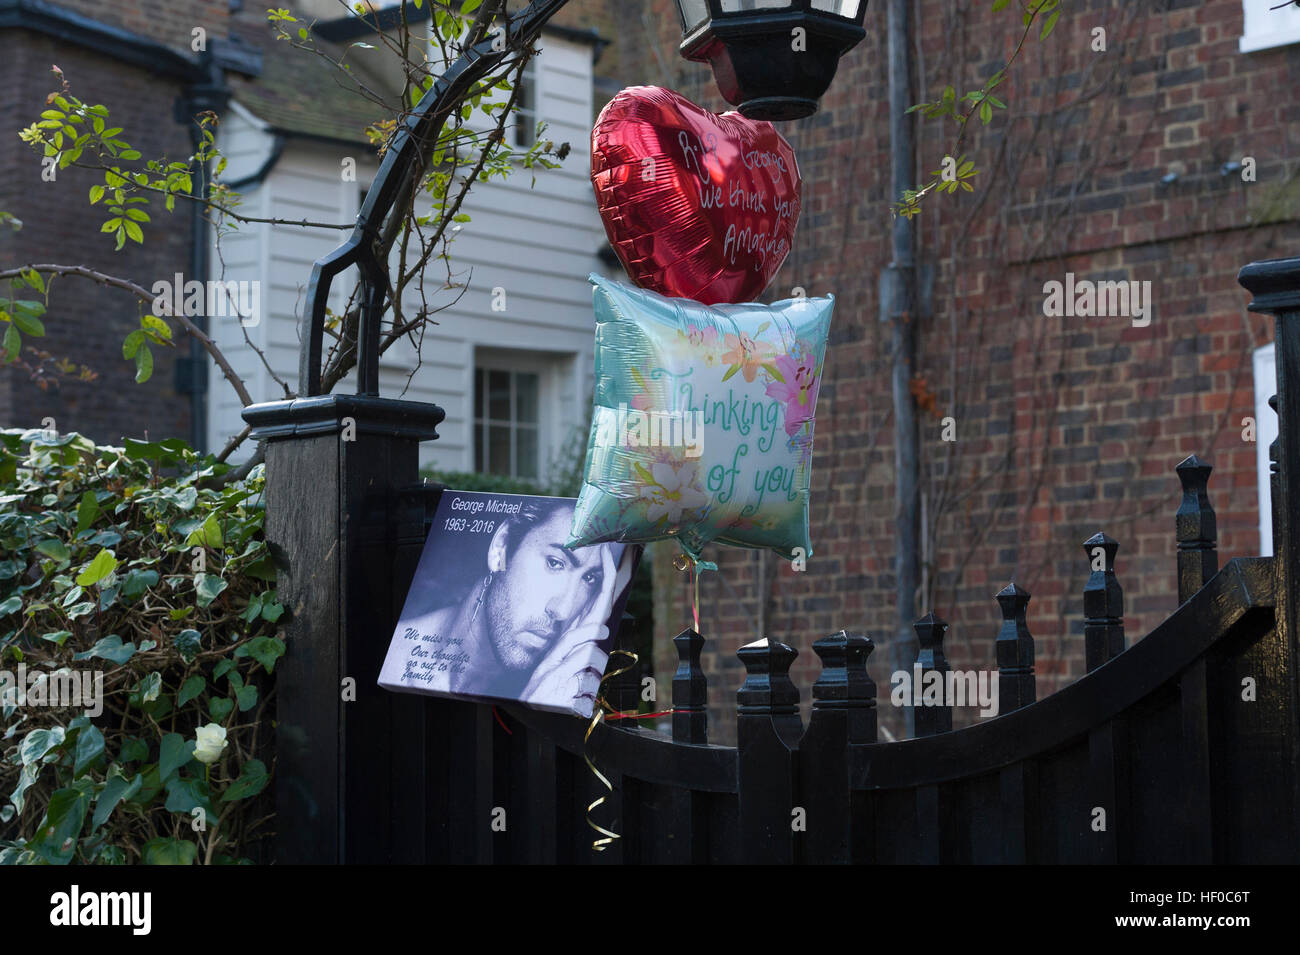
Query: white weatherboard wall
(537, 243)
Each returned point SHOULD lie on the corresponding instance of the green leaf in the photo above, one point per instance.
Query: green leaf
(772, 370)
(187, 644)
(116, 789)
(134, 750)
(28, 324)
(138, 581)
(1049, 24)
(731, 371)
(208, 534)
(164, 851)
(53, 548)
(184, 794)
(12, 342)
(252, 780)
(220, 708)
(986, 113)
(150, 687)
(90, 746)
(12, 605)
(99, 568)
(39, 742)
(160, 330)
(143, 363)
(191, 688)
(58, 637)
(173, 753)
(266, 650)
(56, 841)
(208, 587)
(131, 344)
(109, 648)
(87, 511)
(246, 697)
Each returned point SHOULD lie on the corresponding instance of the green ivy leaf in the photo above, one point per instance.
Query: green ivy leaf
(191, 688)
(65, 815)
(53, 548)
(150, 687)
(187, 644)
(134, 750)
(173, 753)
(220, 708)
(184, 794)
(163, 851)
(87, 511)
(90, 746)
(116, 789)
(246, 697)
(208, 587)
(39, 742)
(252, 780)
(99, 568)
(109, 648)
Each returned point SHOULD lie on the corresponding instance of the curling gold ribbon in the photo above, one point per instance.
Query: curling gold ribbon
(597, 717)
(689, 561)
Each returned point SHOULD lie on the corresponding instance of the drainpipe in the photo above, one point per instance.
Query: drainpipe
(898, 301)
(209, 91)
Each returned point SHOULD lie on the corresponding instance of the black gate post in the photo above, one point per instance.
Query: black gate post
(768, 729)
(334, 464)
(1275, 286)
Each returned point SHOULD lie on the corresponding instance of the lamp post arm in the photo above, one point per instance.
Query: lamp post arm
(377, 223)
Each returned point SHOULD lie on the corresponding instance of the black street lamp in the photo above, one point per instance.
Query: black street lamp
(772, 59)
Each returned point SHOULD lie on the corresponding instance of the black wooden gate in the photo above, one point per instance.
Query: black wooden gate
(1184, 747)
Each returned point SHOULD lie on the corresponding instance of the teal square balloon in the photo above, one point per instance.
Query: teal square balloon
(702, 421)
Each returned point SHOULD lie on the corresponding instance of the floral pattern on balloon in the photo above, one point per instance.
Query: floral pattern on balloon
(702, 426)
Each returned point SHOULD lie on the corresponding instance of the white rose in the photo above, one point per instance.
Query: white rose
(209, 742)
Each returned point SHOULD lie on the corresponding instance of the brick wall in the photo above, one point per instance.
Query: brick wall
(86, 322)
(1064, 426)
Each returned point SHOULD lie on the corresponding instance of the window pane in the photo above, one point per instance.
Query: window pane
(479, 464)
(479, 375)
(693, 13)
(844, 8)
(735, 6)
(498, 397)
(526, 398)
(525, 118)
(498, 449)
(526, 446)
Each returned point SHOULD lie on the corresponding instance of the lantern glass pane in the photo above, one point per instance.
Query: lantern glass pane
(739, 6)
(693, 13)
(842, 8)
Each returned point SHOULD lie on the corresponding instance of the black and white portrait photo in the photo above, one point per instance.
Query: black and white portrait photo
(501, 609)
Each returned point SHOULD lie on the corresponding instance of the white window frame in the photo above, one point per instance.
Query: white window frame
(524, 134)
(1264, 28)
(518, 362)
(1265, 434)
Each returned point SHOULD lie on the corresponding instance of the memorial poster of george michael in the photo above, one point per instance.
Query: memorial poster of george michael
(501, 610)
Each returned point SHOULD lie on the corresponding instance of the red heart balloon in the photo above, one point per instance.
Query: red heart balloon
(696, 205)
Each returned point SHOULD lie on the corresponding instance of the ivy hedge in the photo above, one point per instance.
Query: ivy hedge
(135, 576)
